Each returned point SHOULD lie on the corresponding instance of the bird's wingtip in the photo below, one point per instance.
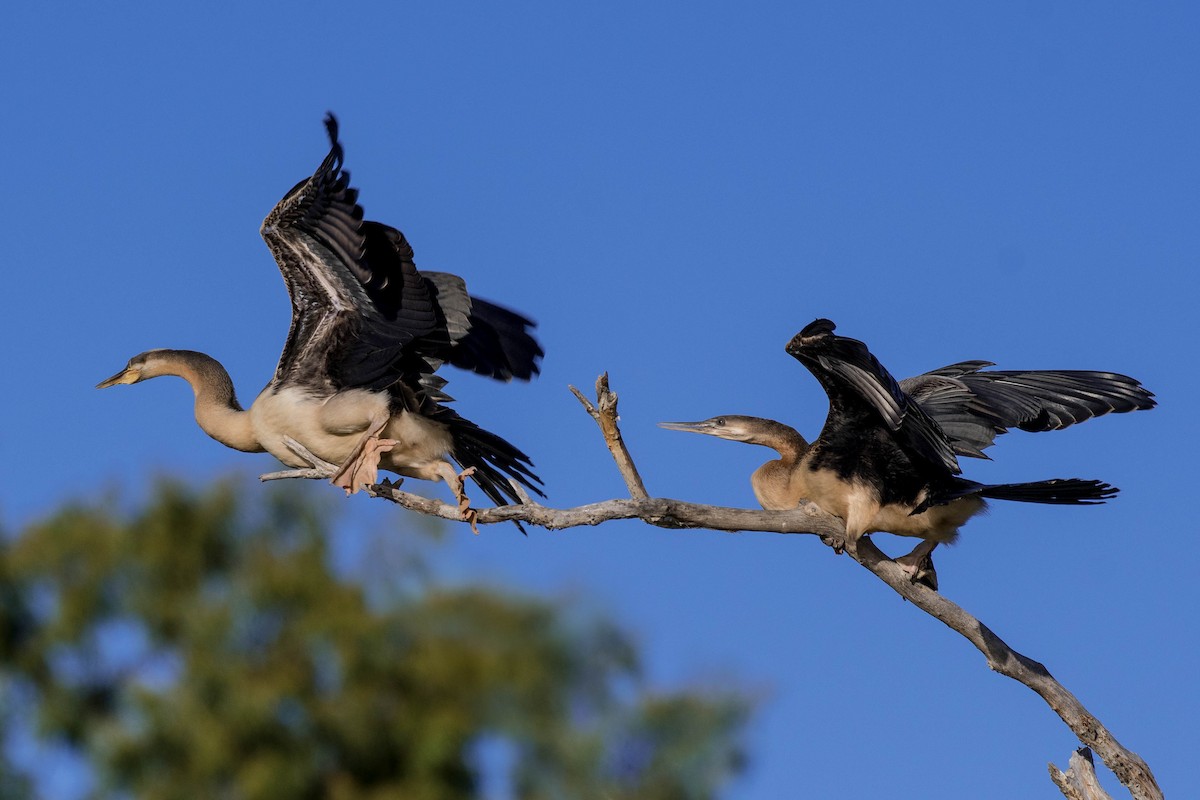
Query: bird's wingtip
(817, 329)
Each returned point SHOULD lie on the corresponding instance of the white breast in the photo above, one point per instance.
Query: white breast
(329, 427)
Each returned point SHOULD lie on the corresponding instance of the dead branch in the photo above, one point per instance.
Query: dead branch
(1079, 781)
(1129, 768)
(605, 414)
(1075, 784)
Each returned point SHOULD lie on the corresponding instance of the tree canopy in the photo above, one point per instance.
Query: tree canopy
(205, 645)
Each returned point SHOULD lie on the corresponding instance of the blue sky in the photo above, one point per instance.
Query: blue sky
(672, 191)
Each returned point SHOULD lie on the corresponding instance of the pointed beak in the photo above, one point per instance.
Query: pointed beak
(126, 375)
(704, 426)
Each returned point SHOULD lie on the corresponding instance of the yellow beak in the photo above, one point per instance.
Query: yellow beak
(127, 375)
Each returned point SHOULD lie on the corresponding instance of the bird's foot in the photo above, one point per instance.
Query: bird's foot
(918, 565)
(459, 488)
(836, 541)
(841, 543)
(362, 468)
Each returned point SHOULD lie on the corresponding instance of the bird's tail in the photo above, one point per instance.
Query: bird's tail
(1059, 491)
(495, 460)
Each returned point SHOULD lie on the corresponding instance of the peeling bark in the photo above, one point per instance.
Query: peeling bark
(1079, 781)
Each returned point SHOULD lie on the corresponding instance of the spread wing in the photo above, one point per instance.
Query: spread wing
(974, 406)
(357, 298)
(860, 388)
(364, 317)
(479, 335)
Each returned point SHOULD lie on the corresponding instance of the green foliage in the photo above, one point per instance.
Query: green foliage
(204, 647)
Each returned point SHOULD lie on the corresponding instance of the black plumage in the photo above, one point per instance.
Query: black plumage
(973, 407)
(365, 317)
(356, 385)
(887, 456)
(891, 439)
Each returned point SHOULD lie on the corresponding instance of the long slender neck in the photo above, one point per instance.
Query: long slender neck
(781, 438)
(779, 485)
(217, 410)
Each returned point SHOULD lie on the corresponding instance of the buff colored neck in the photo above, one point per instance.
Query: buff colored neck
(783, 439)
(217, 410)
(779, 485)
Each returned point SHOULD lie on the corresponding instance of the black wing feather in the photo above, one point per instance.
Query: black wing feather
(974, 406)
(357, 299)
(364, 317)
(853, 378)
(479, 335)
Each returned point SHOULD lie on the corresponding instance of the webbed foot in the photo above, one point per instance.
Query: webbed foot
(362, 468)
(836, 541)
(459, 488)
(919, 565)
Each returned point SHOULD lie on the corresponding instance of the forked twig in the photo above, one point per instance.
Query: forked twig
(1079, 781)
(605, 414)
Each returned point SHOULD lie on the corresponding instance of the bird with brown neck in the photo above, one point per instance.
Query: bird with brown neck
(355, 390)
(778, 485)
(217, 409)
(887, 457)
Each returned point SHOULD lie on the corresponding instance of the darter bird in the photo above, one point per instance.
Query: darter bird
(355, 389)
(887, 457)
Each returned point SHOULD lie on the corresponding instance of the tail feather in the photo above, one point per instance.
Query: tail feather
(496, 462)
(1059, 491)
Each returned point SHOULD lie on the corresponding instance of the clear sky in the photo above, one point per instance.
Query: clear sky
(672, 191)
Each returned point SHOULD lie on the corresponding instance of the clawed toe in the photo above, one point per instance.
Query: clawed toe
(469, 514)
(457, 483)
(362, 469)
(918, 565)
(836, 541)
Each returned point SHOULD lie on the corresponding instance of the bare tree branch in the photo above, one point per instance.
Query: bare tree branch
(605, 414)
(1129, 768)
(1079, 781)
(660, 511)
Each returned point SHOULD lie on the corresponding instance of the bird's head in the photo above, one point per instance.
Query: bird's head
(149, 364)
(784, 439)
(734, 427)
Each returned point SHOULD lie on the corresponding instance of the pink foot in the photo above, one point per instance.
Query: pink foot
(362, 469)
(464, 503)
(919, 566)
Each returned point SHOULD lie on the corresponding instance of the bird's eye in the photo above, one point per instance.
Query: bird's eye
(720, 421)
